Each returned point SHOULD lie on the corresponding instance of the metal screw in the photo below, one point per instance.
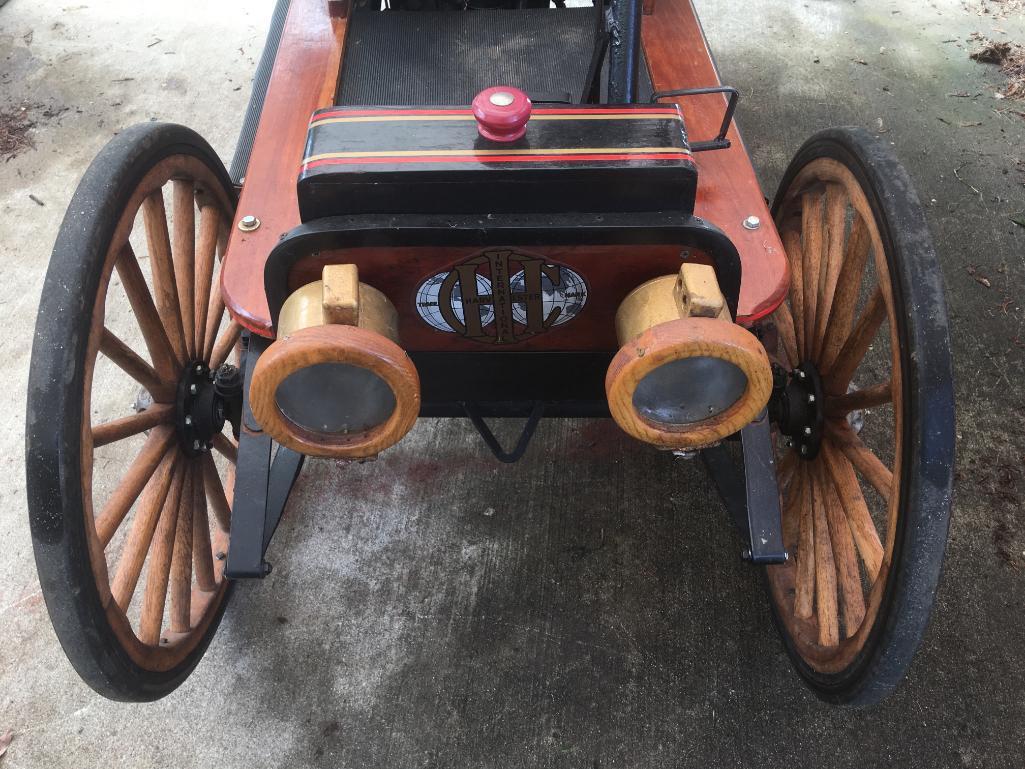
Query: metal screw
(745, 554)
(685, 453)
(807, 431)
(248, 223)
(752, 223)
(193, 389)
(188, 420)
(811, 398)
(219, 555)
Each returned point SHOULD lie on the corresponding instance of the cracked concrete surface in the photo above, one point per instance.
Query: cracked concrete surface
(585, 607)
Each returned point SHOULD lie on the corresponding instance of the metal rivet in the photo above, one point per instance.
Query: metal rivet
(501, 98)
(752, 223)
(188, 420)
(811, 398)
(193, 389)
(248, 223)
(807, 431)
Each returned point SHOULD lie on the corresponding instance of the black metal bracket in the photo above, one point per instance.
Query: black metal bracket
(492, 442)
(720, 142)
(263, 481)
(750, 491)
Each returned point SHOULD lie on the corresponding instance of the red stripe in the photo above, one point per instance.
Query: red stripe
(495, 159)
(461, 112)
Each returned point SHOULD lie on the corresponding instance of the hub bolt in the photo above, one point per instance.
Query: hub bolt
(188, 421)
(193, 389)
(807, 431)
(811, 398)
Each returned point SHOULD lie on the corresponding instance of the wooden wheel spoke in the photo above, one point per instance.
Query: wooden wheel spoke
(848, 575)
(159, 570)
(787, 334)
(792, 507)
(861, 456)
(865, 398)
(836, 224)
(181, 561)
(140, 536)
(845, 296)
(134, 481)
(225, 344)
(132, 364)
(853, 351)
(215, 313)
(804, 599)
(792, 245)
(825, 569)
(202, 555)
(154, 217)
(119, 429)
(160, 350)
(209, 229)
(184, 254)
(811, 250)
(226, 447)
(863, 529)
(215, 493)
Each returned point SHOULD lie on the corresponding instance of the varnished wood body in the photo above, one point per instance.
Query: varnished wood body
(304, 79)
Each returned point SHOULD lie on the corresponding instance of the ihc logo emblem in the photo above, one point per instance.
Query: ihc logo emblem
(501, 296)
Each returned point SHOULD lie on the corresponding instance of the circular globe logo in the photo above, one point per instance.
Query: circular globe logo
(501, 296)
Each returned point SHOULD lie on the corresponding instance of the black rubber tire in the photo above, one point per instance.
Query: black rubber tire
(929, 431)
(54, 412)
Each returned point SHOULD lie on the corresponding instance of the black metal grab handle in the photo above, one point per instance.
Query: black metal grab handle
(720, 142)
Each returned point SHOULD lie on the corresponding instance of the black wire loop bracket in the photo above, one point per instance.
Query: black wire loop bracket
(720, 142)
(492, 442)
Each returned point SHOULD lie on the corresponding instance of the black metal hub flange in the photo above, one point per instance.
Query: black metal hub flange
(796, 407)
(206, 400)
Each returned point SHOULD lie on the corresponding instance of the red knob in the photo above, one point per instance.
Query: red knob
(502, 113)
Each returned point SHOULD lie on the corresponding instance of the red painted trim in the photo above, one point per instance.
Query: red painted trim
(467, 112)
(494, 159)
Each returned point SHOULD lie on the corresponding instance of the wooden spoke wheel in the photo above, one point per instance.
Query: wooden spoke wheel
(867, 430)
(129, 480)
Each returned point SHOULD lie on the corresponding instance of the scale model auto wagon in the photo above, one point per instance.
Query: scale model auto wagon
(486, 209)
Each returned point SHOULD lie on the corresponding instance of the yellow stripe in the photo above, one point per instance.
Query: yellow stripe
(474, 153)
(417, 118)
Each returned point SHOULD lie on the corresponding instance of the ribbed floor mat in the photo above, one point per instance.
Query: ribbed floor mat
(447, 57)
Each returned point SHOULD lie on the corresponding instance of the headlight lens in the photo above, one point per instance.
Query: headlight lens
(689, 390)
(335, 398)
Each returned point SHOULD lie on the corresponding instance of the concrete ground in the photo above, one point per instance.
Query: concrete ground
(584, 608)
